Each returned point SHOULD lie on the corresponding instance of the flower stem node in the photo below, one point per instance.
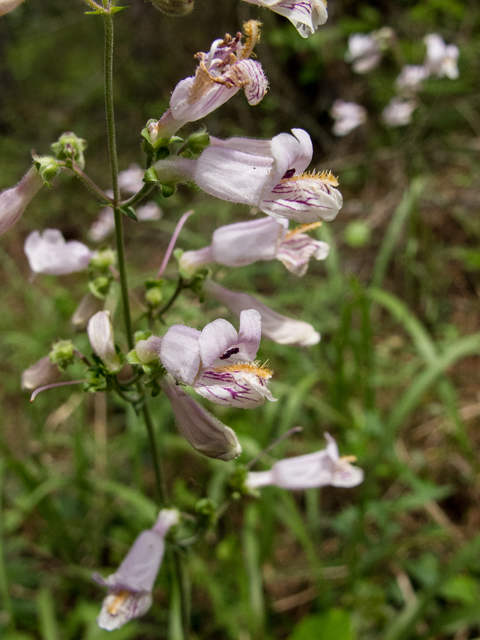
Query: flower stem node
(48, 168)
(174, 8)
(62, 353)
(70, 147)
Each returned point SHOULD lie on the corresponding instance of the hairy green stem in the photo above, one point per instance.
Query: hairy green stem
(112, 147)
(90, 184)
(139, 196)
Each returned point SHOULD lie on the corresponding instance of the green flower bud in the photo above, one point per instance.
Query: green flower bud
(174, 8)
(99, 287)
(103, 259)
(199, 141)
(70, 147)
(62, 353)
(47, 167)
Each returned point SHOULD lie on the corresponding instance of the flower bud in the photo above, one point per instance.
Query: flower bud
(62, 353)
(100, 334)
(148, 350)
(47, 167)
(153, 295)
(14, 201)
(102, 260)
(174, 8)
(70, 147)
(39, 374)
(88, 307)
(99, 287)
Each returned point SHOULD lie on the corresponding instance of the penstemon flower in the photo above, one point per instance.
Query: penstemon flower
(49, 253)
(242, 243)
(363, 52)
(100, 334)
(398, 112)
(14, 201)
(348, 116)
(201, 429)
(305, 15)
(412, 76)
(130, 587)
(441, 59)
(222, 72)
(268, 174)
(8, 5)
(39, 374)
(318, 469)
(219, 363)
(275, 327)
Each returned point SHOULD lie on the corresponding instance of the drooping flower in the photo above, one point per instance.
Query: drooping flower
(398, 112)
(8, 5)
(305, 15)
(412, 76)
(441, 59)
(40, 374)
(100, 334)
(219, 363)
(275, 327)
(14, 201)
(49, 253)
(320, 469)
(243, 243)
(268, 174)
(201, 429)
(348, 116)
(363, 52)
(130, 587)
(223, 71)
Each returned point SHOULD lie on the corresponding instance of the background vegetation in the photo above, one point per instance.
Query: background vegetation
(395, 378)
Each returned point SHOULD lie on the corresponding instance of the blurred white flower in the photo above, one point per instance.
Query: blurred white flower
(441, 59)
(131, 180)
(363, 52)
(49, 253)
(412, 76)
(8, 5)
(398, 112)
(149, 211)
(104, 225)
(347, 116)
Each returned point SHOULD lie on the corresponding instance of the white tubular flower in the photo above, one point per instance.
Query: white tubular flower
(363, 52)
(268, 174)
(130, 587)
(40, 374)
(348, 116)
(398, 112)
(275, 327)
(8, 5)
(14, 201)
(305, 15)
(441, 59)
(89, 305)
(49, 253)
(243, 243)
(100, 334)
(223, 71)
(201, 429)
(219, 363)
(320, 469)
(412, 76)
(148, 212)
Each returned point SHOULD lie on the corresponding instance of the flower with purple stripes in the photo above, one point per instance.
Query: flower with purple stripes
(242, 243)
(219, 363)
(268, 174)
(222, 71)
(306, 15)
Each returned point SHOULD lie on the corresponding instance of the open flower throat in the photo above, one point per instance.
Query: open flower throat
(246, 367)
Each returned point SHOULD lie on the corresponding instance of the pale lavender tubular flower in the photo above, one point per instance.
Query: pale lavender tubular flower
(14, 201)
(100, 334)
(441, 59)
(268, 174)
(219, 363)
(363, 52)
(201, 429)
(242, 243)
(275, 327)
(223, 71)
(49, 253)
(40, 374)
(8, 5)
(398, 112)
(89, 305)
(130, 587)
(305, 15)
(348, 116)
(320, 469)
(412, 76)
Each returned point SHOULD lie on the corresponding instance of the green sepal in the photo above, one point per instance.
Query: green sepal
(62, 353)
(102, 260)
(168, 190)
(151, 177)
(142, 335)
(47, 167)
(129, 212)
(132, 357)
(237, 484)
(206, 511)
(161, 153)
(69, 147)
(99, 287)
(154, 386)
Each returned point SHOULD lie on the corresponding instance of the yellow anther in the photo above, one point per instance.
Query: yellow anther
(251, 30)
(302, 229)
(118, 600)
(247, 367)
